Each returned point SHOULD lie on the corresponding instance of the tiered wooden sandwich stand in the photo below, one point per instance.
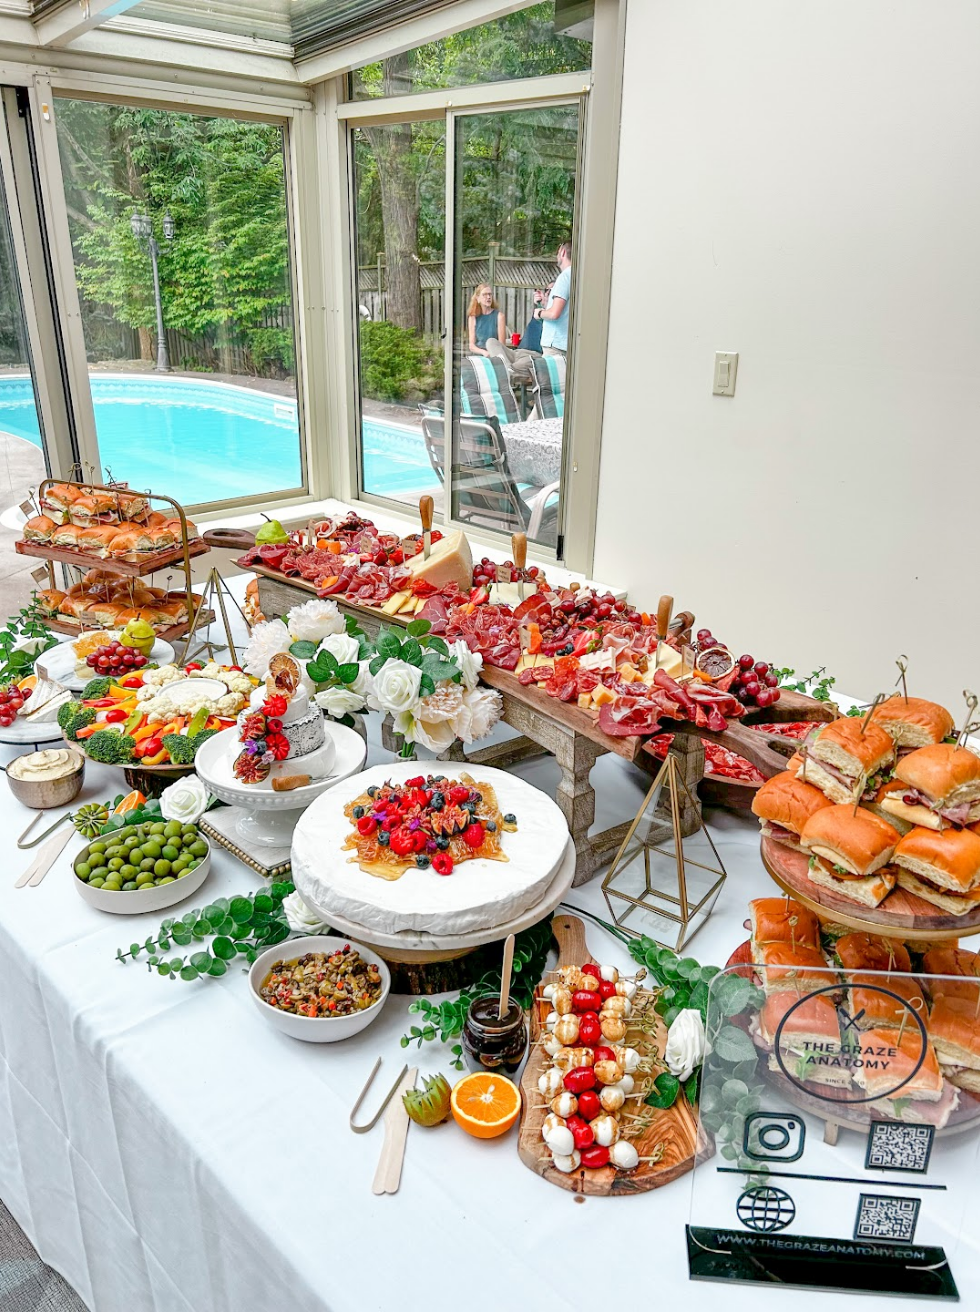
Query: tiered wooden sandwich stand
(140, 565)
(671, 1134)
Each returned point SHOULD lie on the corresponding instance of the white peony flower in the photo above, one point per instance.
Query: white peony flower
(433, 723)
(267, 639)
(342, 647)
(480, 711)
(31, 645)
(470, 663)
(685, 1044)
(186, 800)
(314, 620)
(338, 702)
(301, 918)
(396, 687)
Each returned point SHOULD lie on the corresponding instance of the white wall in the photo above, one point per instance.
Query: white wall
(801, 184)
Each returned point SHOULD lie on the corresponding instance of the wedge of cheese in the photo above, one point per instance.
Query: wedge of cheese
(667, 659)
(450, 561)
(395, 602)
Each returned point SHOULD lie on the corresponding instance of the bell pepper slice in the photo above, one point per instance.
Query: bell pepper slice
(160, 757)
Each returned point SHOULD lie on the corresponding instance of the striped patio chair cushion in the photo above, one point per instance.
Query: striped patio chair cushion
(486, 389)
(549, 374)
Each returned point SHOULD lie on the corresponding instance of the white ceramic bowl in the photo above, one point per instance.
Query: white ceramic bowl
(316, 1029)
(137, 900)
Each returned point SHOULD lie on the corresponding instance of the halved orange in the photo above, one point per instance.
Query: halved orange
(131, 802)
(485, 1105)
(29, 682)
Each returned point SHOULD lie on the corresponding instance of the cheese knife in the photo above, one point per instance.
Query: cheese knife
(388, 1176)
(425, 510)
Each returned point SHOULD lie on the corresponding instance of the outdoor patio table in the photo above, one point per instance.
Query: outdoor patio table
(167, 1151)
(534, 450)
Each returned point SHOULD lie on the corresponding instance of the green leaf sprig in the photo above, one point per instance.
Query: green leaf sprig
(445, 1020)
(238, 926)
(817, 684)
(419, 648)
(27, 623)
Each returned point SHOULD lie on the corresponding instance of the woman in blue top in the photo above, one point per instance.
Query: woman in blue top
(485, 319)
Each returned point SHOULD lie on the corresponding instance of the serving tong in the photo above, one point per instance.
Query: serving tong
(363, 1129)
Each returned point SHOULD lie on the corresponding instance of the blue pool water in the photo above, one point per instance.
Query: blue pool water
(198, 440)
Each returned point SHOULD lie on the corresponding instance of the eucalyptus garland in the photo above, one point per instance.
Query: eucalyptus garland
(236, 927)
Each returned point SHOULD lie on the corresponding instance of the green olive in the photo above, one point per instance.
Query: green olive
(158, 828)
(167, 879)
(172, 829)
(200, 848)
(170, 853)
(97, 883)
(143, 878)
(127, 831)
(147, 863)
(193, 865)
(97, 846)
(152, 848)
(188, 840)
(129, 886)
(112, 886)
(129, 873)
(188, 829)
(115, 863)
(116, 849)
(96, 859)
(83, 870)
(131, 842)
(162, 868)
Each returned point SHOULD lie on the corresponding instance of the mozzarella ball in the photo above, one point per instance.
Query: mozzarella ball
(613, 1028)
(569, 1059)
(612, 1098)
(626, 988)
(551, 1045)
(588, 982)
(550, 1083)
(566, 1030)
(606, 1129)
(564, 1104)
(616, 1007)
(552, 1019)
(608, 1072)
(629, 1059)
(609, 973)
(561, 1141)
(548, 992)
(624, 1155)
(562, 1000)
(627, 1084)
(568, 1162)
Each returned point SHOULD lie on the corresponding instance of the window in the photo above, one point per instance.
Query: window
(531, 43)
(181, 246)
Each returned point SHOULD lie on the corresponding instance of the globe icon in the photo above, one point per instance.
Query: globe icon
(765, 1209)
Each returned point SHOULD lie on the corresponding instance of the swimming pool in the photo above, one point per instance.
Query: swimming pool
(198, 440)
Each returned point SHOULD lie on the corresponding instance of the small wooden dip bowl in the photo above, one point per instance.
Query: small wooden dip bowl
(43, 794)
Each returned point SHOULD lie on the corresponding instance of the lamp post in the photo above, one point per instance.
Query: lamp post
(142, 227)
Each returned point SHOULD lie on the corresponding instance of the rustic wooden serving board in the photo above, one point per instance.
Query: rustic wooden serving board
(675, 1128)
(901, 914)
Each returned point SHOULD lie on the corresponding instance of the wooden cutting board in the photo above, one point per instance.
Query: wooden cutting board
(675, 1128)
(900, 915)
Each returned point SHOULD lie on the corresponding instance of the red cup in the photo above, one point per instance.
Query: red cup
(515, 339)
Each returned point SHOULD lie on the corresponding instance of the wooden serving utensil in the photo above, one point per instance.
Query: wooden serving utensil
(426, 506)
(518, 545)
(505, 974)
(388, 1176)
(665, 607)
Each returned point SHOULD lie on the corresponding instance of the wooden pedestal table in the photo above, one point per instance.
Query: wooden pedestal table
(544, 724)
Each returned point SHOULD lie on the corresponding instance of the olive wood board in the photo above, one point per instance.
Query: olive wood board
(901, 914)
(144, 562)
(675, 1127)
(166, 633)
(854, 1116)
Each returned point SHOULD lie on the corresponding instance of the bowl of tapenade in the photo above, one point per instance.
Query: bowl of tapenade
(319, 988)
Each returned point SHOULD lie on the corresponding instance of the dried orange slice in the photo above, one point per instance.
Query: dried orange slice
(131, 802)
(485, 1105)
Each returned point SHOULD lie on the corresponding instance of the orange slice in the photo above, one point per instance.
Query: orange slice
(485, 1105)
(29, 682)
(131, 802)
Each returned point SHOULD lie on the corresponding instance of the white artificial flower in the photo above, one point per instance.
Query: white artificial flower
(267, 639)
(433, 723)
(364, 683)
(31, 645)
(396, 687)
(470, 663)
(301, 918)
(314, 620)
(338, 702)
(480, 711)
(186, 800)
(685, 1044)
(342, 647)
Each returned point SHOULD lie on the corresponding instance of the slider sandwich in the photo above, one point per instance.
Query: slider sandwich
(96, 539)
(798, 970)
(66, 535)
(846, 763)
(784, 804)
(57, 500)
(39, 529)
(912, 721)
(49, 601)
(955, 1034)
(87, 508)
(869, 952)
(808, 1037)
(781, 920)
(850, 851)
(945, 960)
(942, 787)
(942, 868)
(901, 1075)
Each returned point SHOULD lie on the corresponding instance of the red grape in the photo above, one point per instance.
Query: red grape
(772, 681)
(140, 661)
(16, 702)
(764, 697)
(26, 693)
(746, 662)
(704, 635)
(753, 688)
(761, 668)
(774, 695)
(91, 660)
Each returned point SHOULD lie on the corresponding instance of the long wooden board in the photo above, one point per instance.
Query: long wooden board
(145, 562)
(675, 1128)
(167, 634)
(900, 915)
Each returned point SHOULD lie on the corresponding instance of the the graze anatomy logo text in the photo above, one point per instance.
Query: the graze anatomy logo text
(887, 1058)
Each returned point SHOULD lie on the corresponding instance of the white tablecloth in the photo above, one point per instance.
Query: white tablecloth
(164, 1149)
(534, 450)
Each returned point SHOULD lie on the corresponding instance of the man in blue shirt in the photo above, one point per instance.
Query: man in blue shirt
(554, 329)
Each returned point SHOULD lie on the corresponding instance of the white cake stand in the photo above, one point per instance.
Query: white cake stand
(270, 817)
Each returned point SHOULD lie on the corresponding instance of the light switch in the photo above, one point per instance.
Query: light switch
(726, 366)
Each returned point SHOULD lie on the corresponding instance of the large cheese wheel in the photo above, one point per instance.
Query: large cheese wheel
(450, 561)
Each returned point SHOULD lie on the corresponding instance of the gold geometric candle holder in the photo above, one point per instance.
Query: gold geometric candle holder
(665, 882)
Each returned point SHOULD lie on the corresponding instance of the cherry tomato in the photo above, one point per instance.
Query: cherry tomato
(366, 825)
(194, 665)
(134, 681)
(103, 703)
(586, 1000)
(152, 746)
(589, 1030)
(590, 968)
(115, 715)
(236, 668)
(607, 989)
(582, 1133)
(594, 1156)
(589, 1105)
(580, 1079)
(603, 1054)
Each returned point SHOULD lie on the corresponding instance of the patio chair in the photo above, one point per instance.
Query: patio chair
(486, 390)
(549, 382)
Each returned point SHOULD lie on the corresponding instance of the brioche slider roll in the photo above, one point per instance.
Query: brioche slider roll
(808, 1036)
(784, 804)
(845, 763)
(955, 1033)
(87, 508)
(39, 529)
(848, 852)
(882, 1001)
(96, 540)
(942, 867)
(952, 961)
(902, 1067)
(942, 787)
(781, 920)
(912, 721)
(870, 952)
(49, 601)
(58, 498)
(799, 970)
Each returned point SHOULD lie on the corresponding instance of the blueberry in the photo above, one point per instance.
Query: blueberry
(442, 842)
(384, 838)
(422, 861)
(372, 791)
(567, 650)
(358, 812)
(510, 818)
(468, 806)
(491, 826)
(438, 801)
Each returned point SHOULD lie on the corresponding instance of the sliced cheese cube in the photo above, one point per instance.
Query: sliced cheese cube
(628, 672)
(601, 695)
(585, 700)
(450, 561)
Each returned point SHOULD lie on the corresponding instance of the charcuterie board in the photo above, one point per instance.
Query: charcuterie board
(671, 1134)
(901, 913)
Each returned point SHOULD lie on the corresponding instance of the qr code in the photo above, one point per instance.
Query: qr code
(881, 1216)
(899, 1147)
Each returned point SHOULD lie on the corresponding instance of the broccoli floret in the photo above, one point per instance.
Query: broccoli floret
(96, 688)
(183, 749)
(111, 748)
(83, 716)
(68, 712)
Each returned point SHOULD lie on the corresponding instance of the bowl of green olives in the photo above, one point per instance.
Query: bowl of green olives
(144, 867)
